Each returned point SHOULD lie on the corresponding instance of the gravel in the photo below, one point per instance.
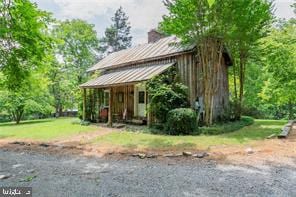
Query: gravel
(81, 176)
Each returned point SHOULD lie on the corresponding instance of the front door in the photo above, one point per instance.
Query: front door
(140, 101)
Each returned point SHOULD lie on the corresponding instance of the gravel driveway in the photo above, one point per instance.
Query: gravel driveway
(80, 176)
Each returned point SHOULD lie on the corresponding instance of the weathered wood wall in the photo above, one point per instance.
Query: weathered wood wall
(127, 102)
(191, 75)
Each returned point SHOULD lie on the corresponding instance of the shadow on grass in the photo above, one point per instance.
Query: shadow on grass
(27, 122)
(5, 136)
(260, 130)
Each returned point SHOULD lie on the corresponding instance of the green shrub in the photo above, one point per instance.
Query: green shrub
(227, 127)
(85, 123)
(166, 93)
(181, 121)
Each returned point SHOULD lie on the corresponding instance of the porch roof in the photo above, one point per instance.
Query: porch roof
(127, 76)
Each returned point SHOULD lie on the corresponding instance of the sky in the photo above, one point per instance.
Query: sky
(143, 14)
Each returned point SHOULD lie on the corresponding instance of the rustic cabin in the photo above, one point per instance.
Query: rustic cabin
(119, 94)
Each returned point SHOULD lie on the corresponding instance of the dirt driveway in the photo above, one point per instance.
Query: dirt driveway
(84, 176)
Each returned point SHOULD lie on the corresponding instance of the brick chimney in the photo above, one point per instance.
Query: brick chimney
(154, 36)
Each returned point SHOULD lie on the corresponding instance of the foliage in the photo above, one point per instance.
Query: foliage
(166, 93)
(76, 45)
(181, 121)
(24, 42)
(228, 127)
(280, 59)
(252, 22)
(239, 23)
(117, 36)
(32, 98)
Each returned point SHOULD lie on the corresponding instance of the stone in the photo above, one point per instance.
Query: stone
(168, 155)
(173, 155)
(5, 176)
(187, 154)
(44, 145)
(152, 155)
(31, 171)
(19, 143)
(142, 155)
(135, 154)
(249, 151)
(17, 165)
(200, 155)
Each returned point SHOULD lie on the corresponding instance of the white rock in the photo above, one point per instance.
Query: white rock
(249, 151)
(4, 176)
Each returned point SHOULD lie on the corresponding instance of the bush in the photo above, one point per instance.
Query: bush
(181, 121)
(85, 123)
(166, 93)
(227, 127)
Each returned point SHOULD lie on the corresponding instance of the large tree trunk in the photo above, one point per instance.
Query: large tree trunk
(215, 81)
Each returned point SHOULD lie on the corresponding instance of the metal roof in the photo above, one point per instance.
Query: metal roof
(168, 46)
(127, 76)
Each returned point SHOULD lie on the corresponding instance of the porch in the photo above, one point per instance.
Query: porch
(119, 104)
(120, 95)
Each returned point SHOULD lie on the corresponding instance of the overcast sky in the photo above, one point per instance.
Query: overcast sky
(143, 14)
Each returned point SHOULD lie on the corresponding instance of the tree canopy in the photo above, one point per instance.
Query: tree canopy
(214, 25)
(117, 36)
(24, 41)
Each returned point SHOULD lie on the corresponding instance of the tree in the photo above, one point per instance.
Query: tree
(199, 22)
(211, 25)
(76, 50)
(117, 36)
(250, 21)
(24, 42)
(77, 45)
(61, 86)
(32, 98)
(279, 55)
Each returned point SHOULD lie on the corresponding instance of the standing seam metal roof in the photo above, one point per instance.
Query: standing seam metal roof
(126, 76)
(163, 47)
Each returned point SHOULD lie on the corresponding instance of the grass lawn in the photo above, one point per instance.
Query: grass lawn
(258, 131)
(45, 130)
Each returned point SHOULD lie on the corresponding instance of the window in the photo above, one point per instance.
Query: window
(120, 97)
(141, 97)
(106, 98)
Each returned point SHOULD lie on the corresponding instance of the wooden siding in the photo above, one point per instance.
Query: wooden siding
(127, 102)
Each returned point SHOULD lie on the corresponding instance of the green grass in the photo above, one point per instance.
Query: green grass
(257, 131)
(43, 130)
(55, 129)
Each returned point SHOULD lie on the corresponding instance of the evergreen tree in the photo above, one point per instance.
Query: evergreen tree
(117, 36)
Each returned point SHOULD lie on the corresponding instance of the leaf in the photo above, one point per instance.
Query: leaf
(211, 2)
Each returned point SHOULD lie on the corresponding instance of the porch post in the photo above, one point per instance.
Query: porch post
(110, 107)
(149, 121)
(125, 100)
(84, 104)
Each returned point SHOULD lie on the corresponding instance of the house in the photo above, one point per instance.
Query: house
(119, 93)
